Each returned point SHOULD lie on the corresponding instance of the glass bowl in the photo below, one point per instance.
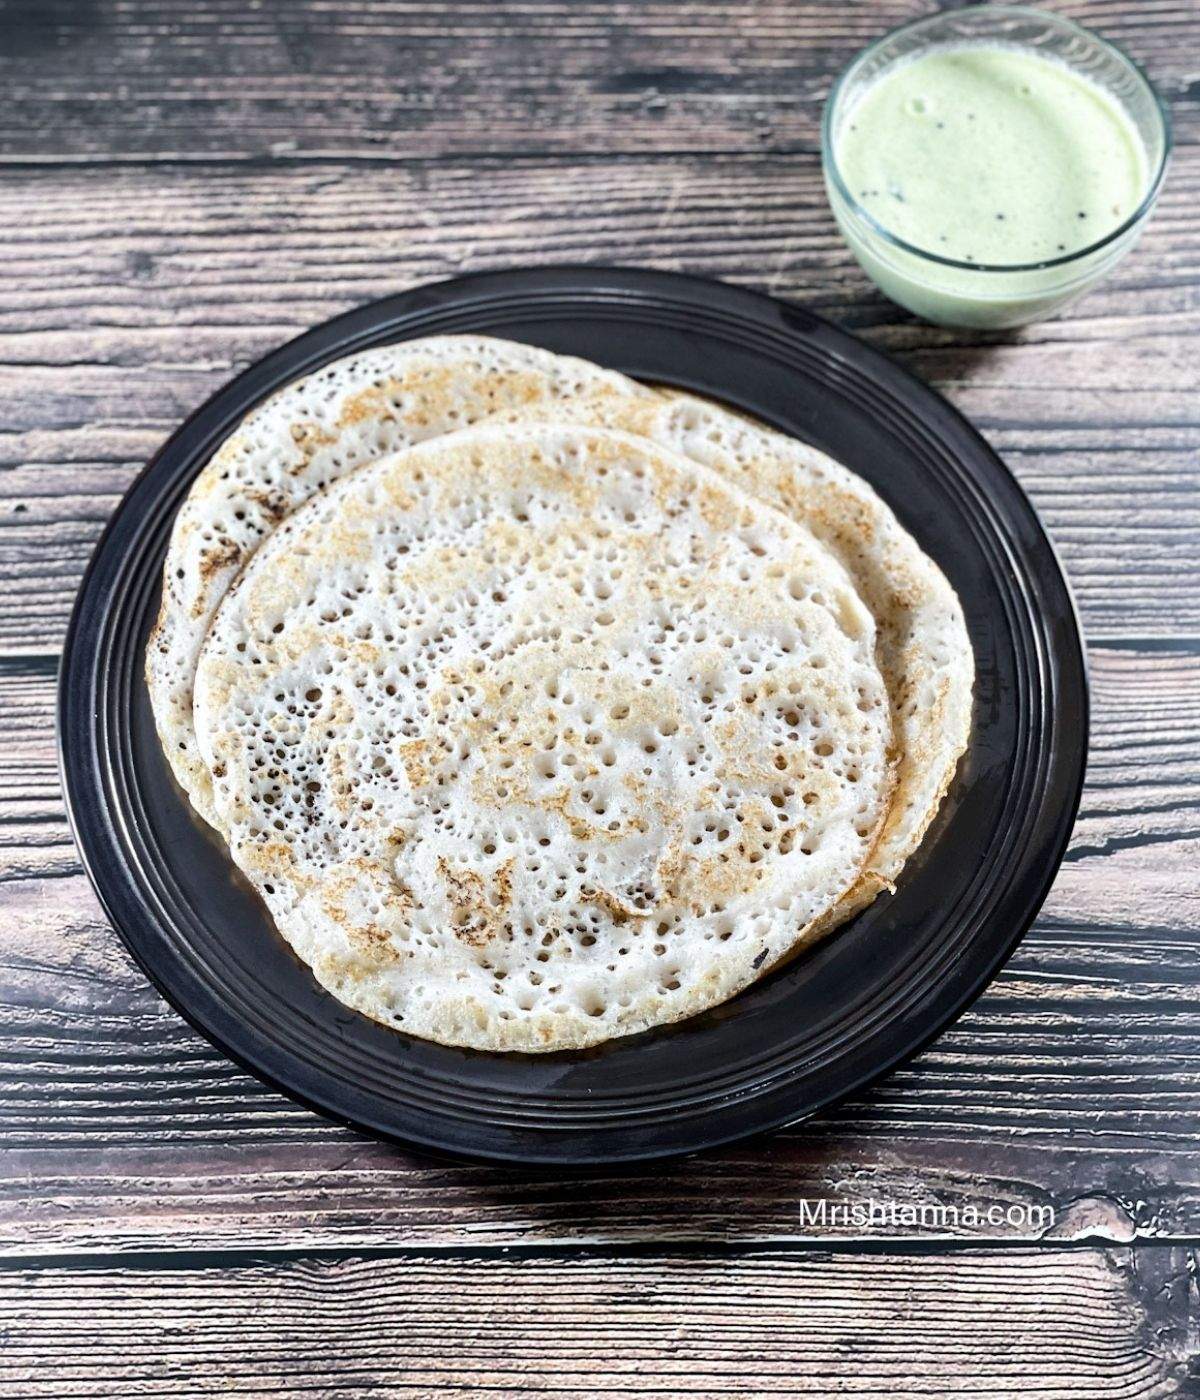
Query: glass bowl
(945, 290)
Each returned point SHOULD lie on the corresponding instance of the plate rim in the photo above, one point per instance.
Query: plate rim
(369, 324)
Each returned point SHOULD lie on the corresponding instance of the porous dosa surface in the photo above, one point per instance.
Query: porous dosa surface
(535, 737)
(924, 650)
(309, 434)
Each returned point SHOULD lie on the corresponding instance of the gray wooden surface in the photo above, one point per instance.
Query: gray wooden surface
(184, 186)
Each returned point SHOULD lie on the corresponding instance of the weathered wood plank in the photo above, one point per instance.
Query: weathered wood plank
(127, 297)
(156, 251)
(395, 80)
(986, 1325)
(1074, 1077)
(336, 1190)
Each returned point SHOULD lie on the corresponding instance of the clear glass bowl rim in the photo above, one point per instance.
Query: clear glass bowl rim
(829, 161)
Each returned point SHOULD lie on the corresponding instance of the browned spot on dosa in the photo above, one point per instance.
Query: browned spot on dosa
(477, 913)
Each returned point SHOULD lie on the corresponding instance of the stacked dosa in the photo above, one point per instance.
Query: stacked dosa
(548, 730)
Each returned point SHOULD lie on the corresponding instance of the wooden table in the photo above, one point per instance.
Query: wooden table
(187, 185)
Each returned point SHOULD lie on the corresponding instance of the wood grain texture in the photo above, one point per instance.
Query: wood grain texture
(183, 187)
(393, 80)
(987, 1325)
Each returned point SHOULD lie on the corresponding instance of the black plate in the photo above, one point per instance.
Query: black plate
(818, 1029)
